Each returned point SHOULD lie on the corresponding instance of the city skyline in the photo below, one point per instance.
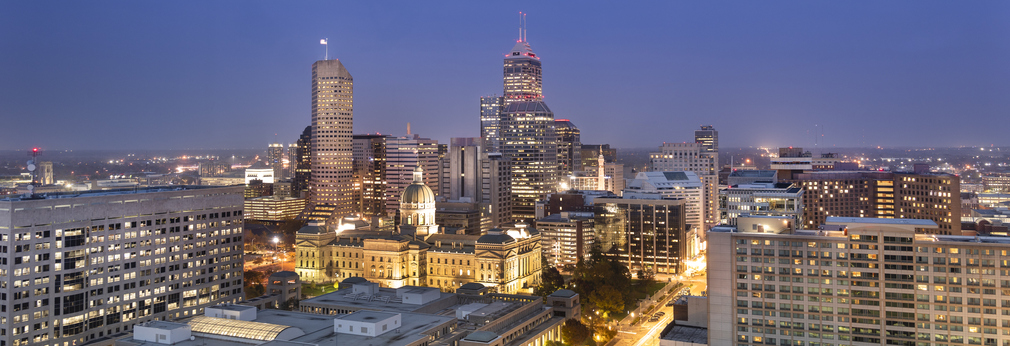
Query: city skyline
(878, 74)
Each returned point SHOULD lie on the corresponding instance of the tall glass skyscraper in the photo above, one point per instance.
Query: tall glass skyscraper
(332, 121)
(490, 112)
(526, 129)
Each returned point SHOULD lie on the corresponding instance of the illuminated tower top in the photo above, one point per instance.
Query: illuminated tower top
(523, 71)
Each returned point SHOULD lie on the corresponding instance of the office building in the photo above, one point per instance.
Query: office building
(369, 157)
(213, 169)
(403, 154)
(697, 158)
(856, 281)
(645, 233)
(569, 147)
(273, 208)
(275, 159)
(332, 123)
(303, 164)
(490, 113)
(260, 172)
(708, 137)
(461, 217)
(684, 185)
(525, 128)
(290, 160)
(464, 158)
(83, 266)
(530, 145)
(766, 199)
(901, 195)
(792, 161)
(566, 237)
(496, 188)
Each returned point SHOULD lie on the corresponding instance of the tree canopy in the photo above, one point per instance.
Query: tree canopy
(573, 332)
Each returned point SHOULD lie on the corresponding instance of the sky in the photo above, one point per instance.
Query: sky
(236, 74)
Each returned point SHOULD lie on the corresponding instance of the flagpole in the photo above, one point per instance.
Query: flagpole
(327, 56)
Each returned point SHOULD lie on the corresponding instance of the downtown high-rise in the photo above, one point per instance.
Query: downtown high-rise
(332, 123)
(526, 129)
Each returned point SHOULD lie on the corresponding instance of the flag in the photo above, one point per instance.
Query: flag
(323, 41)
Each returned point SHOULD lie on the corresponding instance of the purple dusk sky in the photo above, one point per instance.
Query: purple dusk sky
(236, 74)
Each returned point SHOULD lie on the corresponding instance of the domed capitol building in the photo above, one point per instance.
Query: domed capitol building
(419, 253)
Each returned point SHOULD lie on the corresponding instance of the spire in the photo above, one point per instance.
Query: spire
(418, 172)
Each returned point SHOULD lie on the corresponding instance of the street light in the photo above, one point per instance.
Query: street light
(275, 241)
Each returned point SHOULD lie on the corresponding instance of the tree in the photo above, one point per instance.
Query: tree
(253, 291)
(647, 276)
(550, 281)
(607, 299)
(574, 332)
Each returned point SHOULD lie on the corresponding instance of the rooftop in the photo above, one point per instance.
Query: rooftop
(385, 300)
(687, 334)
(100, 193)
(867, 220)
(750, 173)
(367, 316)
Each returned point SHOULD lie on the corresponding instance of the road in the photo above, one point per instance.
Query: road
(647, 333)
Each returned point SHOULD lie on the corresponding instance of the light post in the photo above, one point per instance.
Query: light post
(275, 241)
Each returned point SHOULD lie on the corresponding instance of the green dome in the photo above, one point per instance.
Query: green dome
(417, 192)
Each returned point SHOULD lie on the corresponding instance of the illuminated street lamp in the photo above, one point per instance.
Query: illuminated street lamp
(275, 241)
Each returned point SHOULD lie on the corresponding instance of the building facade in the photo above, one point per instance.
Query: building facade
(697, 158)
(303, 164)
(766, 199)
(858, 281)
(902, 195)
(332, 123)
(566, 237)
(644, 234)
(507, 260)
(684, 185)
(369, 158)
(569, 147)
(81, 267)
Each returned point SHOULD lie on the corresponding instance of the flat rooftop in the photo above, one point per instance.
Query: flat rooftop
(99, 193)
(367, 316)
(233, 307)
(385, 300)
(687, 334)
(867, 220)
(319, 331)
(165, 325)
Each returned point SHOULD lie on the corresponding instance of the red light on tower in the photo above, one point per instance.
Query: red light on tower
(35, 150)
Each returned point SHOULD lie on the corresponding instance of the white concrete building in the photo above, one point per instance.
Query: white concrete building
(679, 184)
(77, 267)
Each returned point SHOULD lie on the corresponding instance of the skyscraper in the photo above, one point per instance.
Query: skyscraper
(370, 174)
(693, 157)
(275, 159)
(332, 124)
(709, 139)
(403, 154)
(569, 147)
(302, 163)
(490, 112)
(526, 128)
(523, 74)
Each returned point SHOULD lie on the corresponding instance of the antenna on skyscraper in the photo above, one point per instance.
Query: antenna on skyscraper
(325, 44)
(521, 26)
